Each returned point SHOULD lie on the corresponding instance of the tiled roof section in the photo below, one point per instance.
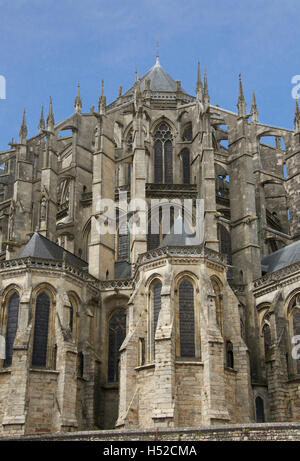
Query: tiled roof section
(286, 256)
(41, 247)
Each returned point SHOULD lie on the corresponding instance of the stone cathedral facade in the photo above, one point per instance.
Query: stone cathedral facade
(150, 329)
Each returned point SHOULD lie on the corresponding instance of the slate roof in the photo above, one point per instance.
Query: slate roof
(160, 80)
(286, 256)
(41, 247)
(180, 235)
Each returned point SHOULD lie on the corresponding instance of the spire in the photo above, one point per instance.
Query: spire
(102, 100)
(254, 111)
(23, 129)
(206, 99)
(199, 86)
(157, 63)
(241, 105)
(297, 117)
(41, 126)
(50, 118)
(78, 101)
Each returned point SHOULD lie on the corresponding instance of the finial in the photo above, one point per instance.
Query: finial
(157, 52)
(78, 101)
(135, 73)
(50, 118)
(23, 129)
(254, 111)
(102, 100)
(206, 99)
(41, 126)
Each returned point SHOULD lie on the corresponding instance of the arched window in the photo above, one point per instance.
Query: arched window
(260, 412)
(185, 154)
(186, 319)
(41, 327)
(267, 337)
(11, 327)
(156, 306)
(163, 155)
(116, 336)
(229, 355)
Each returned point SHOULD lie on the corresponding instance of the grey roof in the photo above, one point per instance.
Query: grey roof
(286, 256)
(180, 235)
(41, 247)
(160, 80)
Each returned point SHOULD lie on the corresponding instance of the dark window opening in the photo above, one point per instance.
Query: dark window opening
(186, 319)
(41, 326)
(116, 336)
(11, 327)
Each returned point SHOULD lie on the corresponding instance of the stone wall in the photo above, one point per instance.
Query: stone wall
(245, 432)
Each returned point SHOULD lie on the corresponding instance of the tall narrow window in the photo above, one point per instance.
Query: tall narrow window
(158, 170)
(156, 308)
(229, 355)
(168, 162)
(186, 319)
(41, 326)
(11, 327)
(163, 155)
(267, 338)
(123, 242)
(260, 412)
(186, 166)
(116, 336)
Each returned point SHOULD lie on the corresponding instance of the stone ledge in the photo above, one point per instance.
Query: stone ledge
(249, 431)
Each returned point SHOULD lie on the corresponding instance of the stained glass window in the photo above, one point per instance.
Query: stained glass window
(163, 155)
(186, 319)
(156, 308)
(186, 166)
(41, 326)
(11, 327)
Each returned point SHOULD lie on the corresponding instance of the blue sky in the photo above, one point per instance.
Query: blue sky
(46, 46)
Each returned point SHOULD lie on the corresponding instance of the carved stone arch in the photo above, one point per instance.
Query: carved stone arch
(188, 275)
(7, 291)
(149, 282)
(163, 119)
(288, 302)
(44, 286)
